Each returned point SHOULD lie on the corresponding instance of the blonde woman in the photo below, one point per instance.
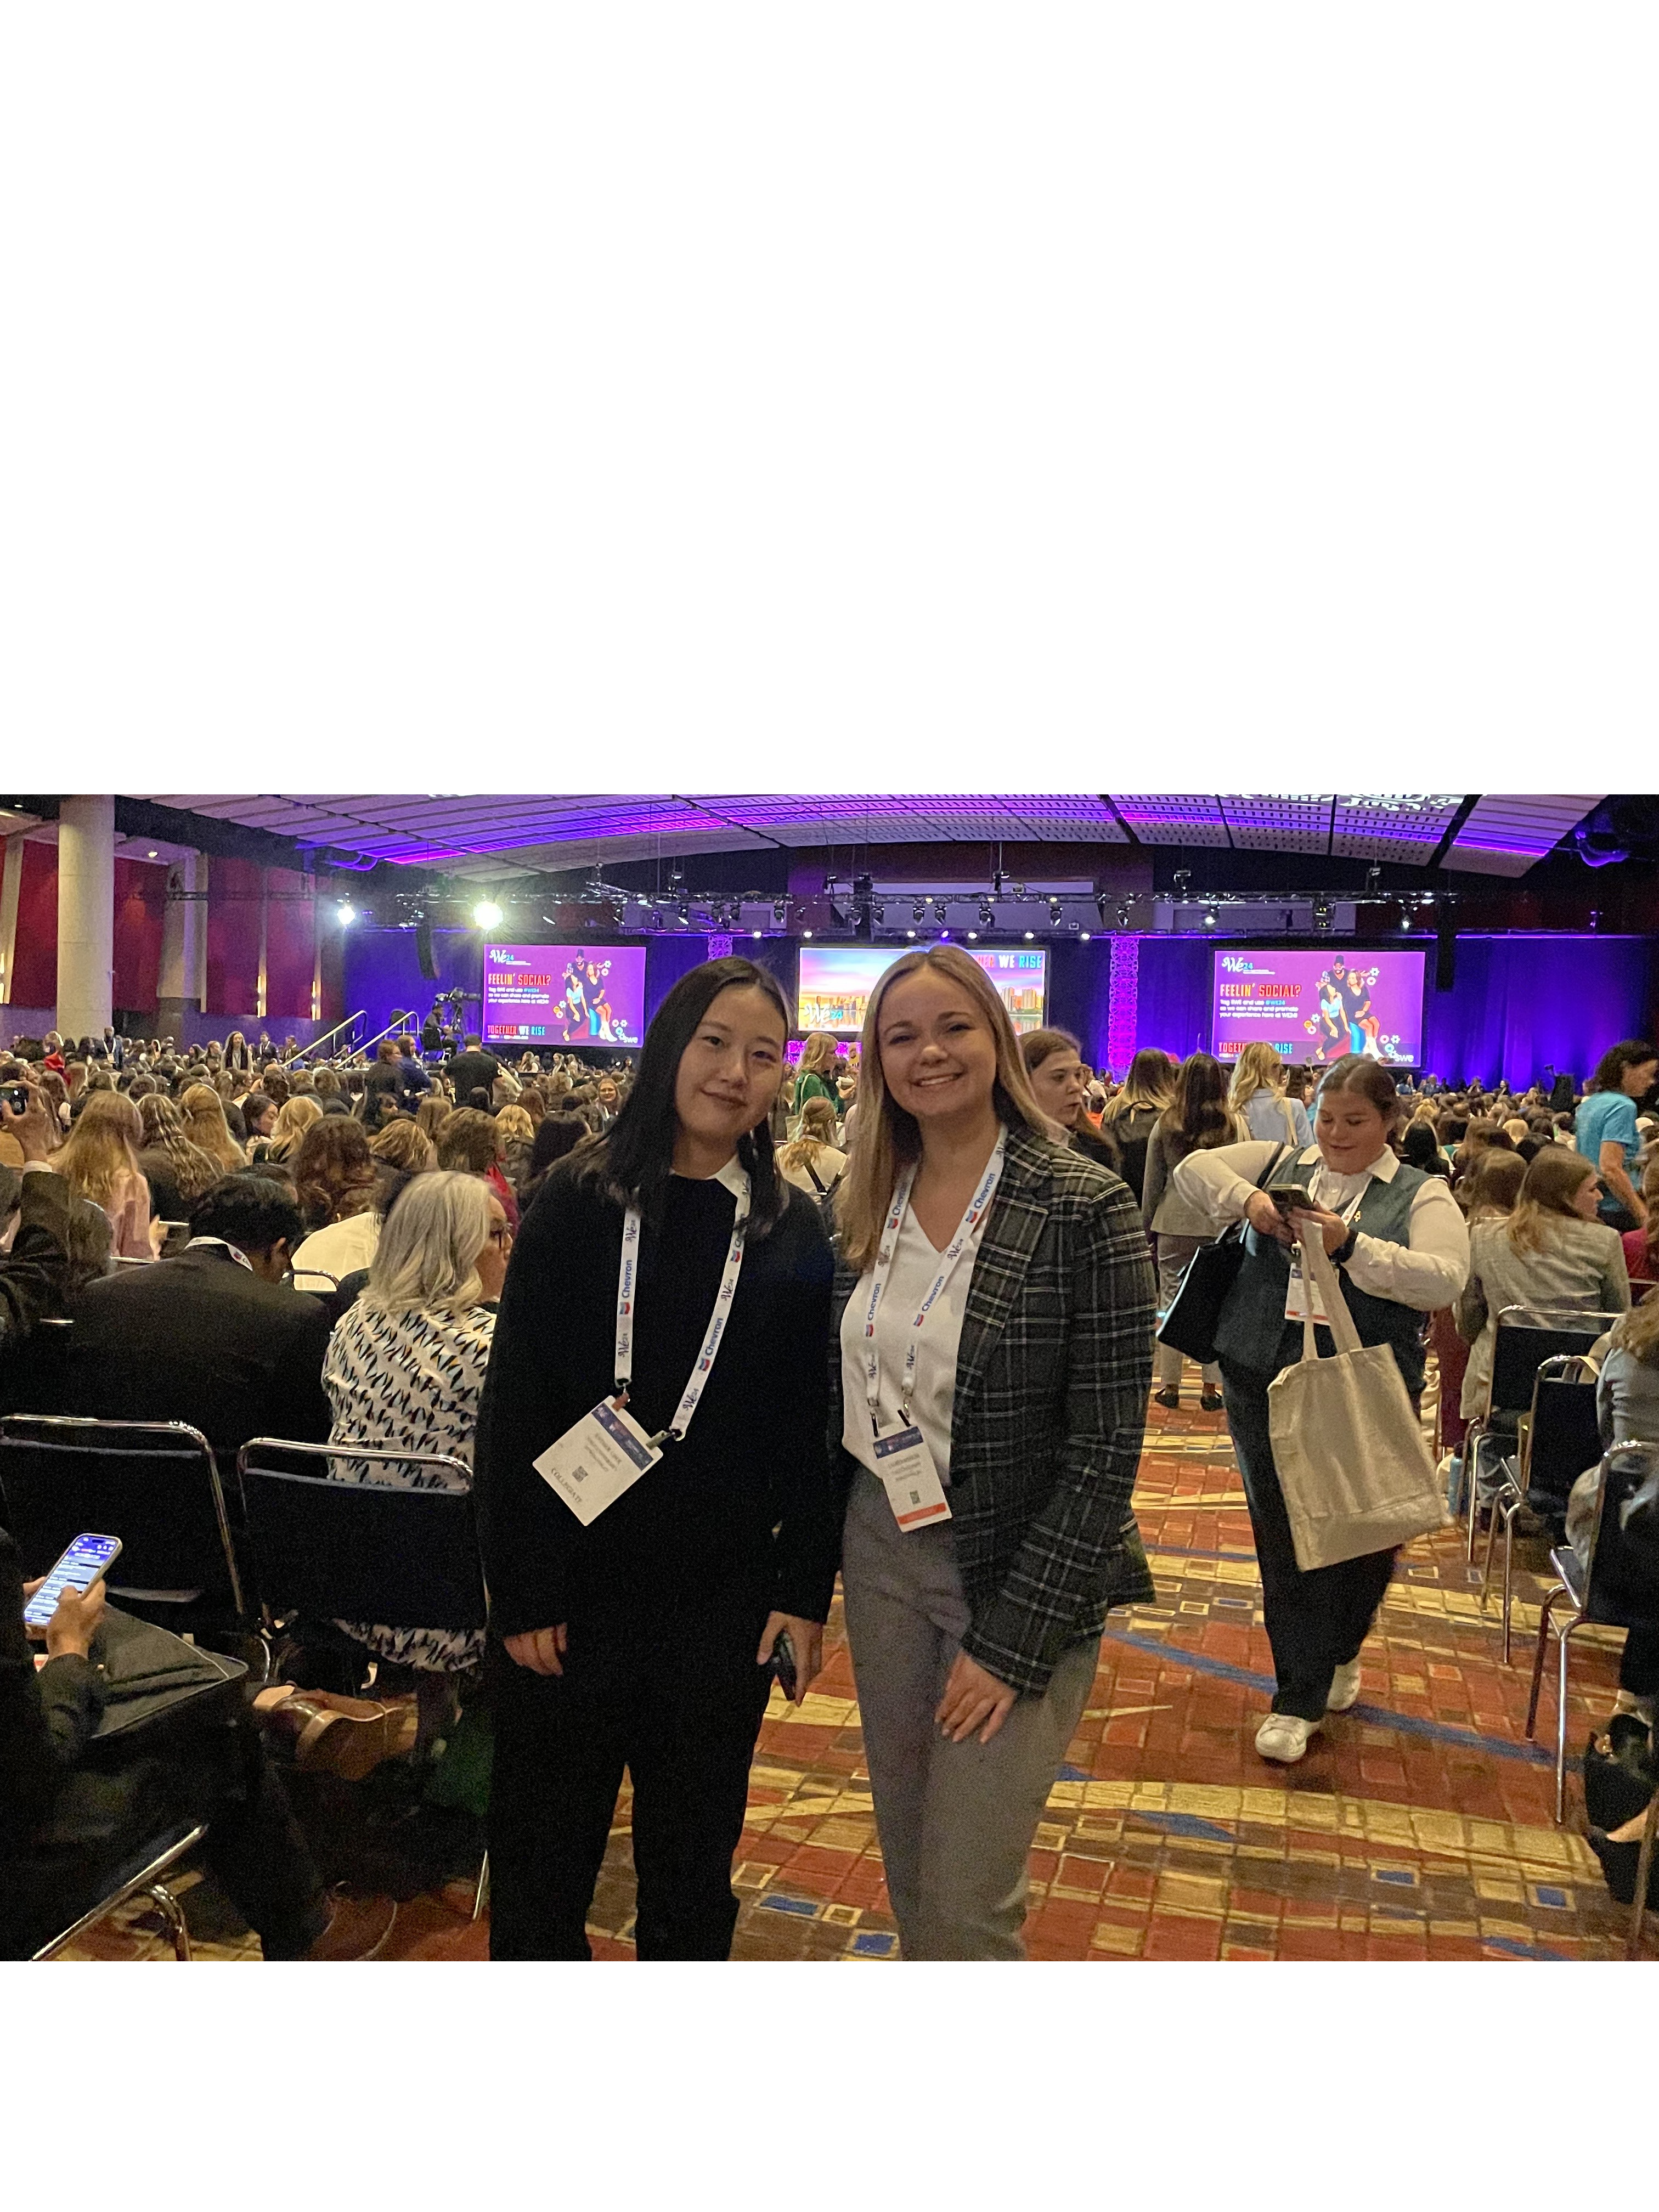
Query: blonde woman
(994, 1305)
(814, 1163)
(205, 1125)
(402, 1145)
(515, 1136)
(294, 1118)
(815, 1077)
(99, 1159)
(434, 1110)
(177, 1171)
(1131, 1117)
(405, 1366)
(1259, 1080)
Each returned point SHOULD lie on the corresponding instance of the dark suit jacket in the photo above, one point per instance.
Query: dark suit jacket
(1050, 1411)
(36, 1273)
(46, 1718)
(472, 1071)
(199, 1339)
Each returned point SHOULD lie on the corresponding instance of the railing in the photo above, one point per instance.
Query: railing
(301, 1051)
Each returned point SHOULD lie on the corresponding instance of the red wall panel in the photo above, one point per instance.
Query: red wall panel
(290, 946)
(34, 981)
(233, 950)
(141, 890)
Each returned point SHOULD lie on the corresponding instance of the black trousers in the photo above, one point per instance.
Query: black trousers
(677, 1701)
(1317, 1619)
(1638, 1666)
(118, 1800)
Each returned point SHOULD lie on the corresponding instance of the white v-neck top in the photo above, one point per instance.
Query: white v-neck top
(915, 1263)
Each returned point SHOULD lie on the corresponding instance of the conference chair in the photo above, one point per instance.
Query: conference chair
(1559, 1439)
(140, 1876)
(1523, 1337)
(326, 1550)
(154, 1485)
(1613, 1590)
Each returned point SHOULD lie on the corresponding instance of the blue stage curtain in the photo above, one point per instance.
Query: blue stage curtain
(1080, 993)
(1522, 1003)
(667, 959)
(1173, 1010)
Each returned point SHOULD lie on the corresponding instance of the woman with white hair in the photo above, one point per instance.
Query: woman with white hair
(405, 1366)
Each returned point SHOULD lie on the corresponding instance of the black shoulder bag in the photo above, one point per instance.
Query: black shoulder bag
(1194, 1312)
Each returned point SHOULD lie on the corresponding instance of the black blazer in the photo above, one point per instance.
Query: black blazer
(199, 1339)
(47, 1718)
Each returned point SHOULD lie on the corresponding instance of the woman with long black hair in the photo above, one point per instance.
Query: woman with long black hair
(652, 1480)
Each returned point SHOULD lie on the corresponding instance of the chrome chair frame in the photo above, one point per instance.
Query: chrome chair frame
(1563, 1589)
(146, 1882)
(1516, 1482)
(179, 1429)
(1480, 1427)
(385, 1455)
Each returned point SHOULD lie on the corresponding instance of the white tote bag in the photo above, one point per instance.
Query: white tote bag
(1355, 1471)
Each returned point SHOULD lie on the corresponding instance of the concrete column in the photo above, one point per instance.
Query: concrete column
(181, 986)
(86, 915)
(11, 883)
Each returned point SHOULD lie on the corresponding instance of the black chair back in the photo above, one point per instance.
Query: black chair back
(362, 1551)
(1622, 1582)
(1565, 1439)
(34, 1375)
(1521, 1345)
(151, 1483)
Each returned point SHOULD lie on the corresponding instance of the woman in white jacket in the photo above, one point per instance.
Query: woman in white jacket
(1401, 1249)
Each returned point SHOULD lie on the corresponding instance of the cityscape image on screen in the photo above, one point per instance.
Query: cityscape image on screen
(563, 994)
(837, 980)
(1317, 1006)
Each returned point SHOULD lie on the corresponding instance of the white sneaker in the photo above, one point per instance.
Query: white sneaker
(1344, 1688)
(1284, 1737)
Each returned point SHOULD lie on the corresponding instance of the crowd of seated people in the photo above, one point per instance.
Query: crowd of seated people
(394, 1189)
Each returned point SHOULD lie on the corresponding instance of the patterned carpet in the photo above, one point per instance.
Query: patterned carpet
(1419, 1825)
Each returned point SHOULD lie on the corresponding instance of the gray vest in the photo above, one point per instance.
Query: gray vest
(1252, 1331)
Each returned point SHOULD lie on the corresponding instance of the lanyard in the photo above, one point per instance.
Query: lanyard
(627, 1284)
(948, 1259)
(235, 1251)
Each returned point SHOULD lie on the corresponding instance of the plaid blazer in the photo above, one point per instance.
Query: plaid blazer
(1050, 1409)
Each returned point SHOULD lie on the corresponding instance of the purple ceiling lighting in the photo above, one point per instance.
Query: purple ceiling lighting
(1503, 837)
(1173, 818)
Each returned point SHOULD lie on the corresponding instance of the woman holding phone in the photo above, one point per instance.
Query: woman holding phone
(995, 1317)
(653, 1486)
(1400, 1251)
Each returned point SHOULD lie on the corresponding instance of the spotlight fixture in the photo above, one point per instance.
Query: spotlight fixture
(879, 914)
(938, 910)
(756, 933)
(943, 934)
(487, 915)
(1209, 917)
(919, 912)
(1029, 935)
(909, 933)
(1322, 914)
(347, 913)
(1054, 912)
(1019, 891)
(779, 911)
(1084, 939)
(684, 915)
(972, 936)
(987, 917)
(1405, 921)
(806, 932)
(151, 854)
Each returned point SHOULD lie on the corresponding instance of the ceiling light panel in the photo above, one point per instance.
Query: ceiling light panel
(1402, 826)
(1503, 837)
(1173, 818)
(1280, 822)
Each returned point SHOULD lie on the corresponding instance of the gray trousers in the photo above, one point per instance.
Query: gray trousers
(1173, 1253)
(956, 1820)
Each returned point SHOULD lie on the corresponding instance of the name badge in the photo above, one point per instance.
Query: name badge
(910, 1480)
(1295, 1294)
(591, 1464)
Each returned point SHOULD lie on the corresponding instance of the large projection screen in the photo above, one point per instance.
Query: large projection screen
(835, 982)
(563, 994)
(1315, 1006)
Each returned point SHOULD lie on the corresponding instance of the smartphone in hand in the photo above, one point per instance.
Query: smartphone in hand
(783, 1665)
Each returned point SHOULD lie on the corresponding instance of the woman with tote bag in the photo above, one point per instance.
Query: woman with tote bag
(1398, 1245)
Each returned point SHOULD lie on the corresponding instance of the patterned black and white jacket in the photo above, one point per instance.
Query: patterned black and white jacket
(1050, 1411)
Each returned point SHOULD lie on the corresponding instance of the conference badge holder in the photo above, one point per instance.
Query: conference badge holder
(607, 1451)
(910, 1480)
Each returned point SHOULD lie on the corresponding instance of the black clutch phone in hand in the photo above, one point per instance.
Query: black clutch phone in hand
(783, 1663)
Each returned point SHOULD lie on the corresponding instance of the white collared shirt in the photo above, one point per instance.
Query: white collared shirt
(1426, 1274)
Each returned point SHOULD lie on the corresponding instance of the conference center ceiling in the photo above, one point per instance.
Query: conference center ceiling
(492, 834)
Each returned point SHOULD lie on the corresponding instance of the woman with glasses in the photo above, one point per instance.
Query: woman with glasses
(653, 1485)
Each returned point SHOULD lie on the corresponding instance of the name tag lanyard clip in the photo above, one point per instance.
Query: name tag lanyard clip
(627, 1286)
(948, 1261)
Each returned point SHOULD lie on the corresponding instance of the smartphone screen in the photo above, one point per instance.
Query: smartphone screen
(80, 1567)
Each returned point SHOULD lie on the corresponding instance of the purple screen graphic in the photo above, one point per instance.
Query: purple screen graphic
(563, 994)
(1315, 1006)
